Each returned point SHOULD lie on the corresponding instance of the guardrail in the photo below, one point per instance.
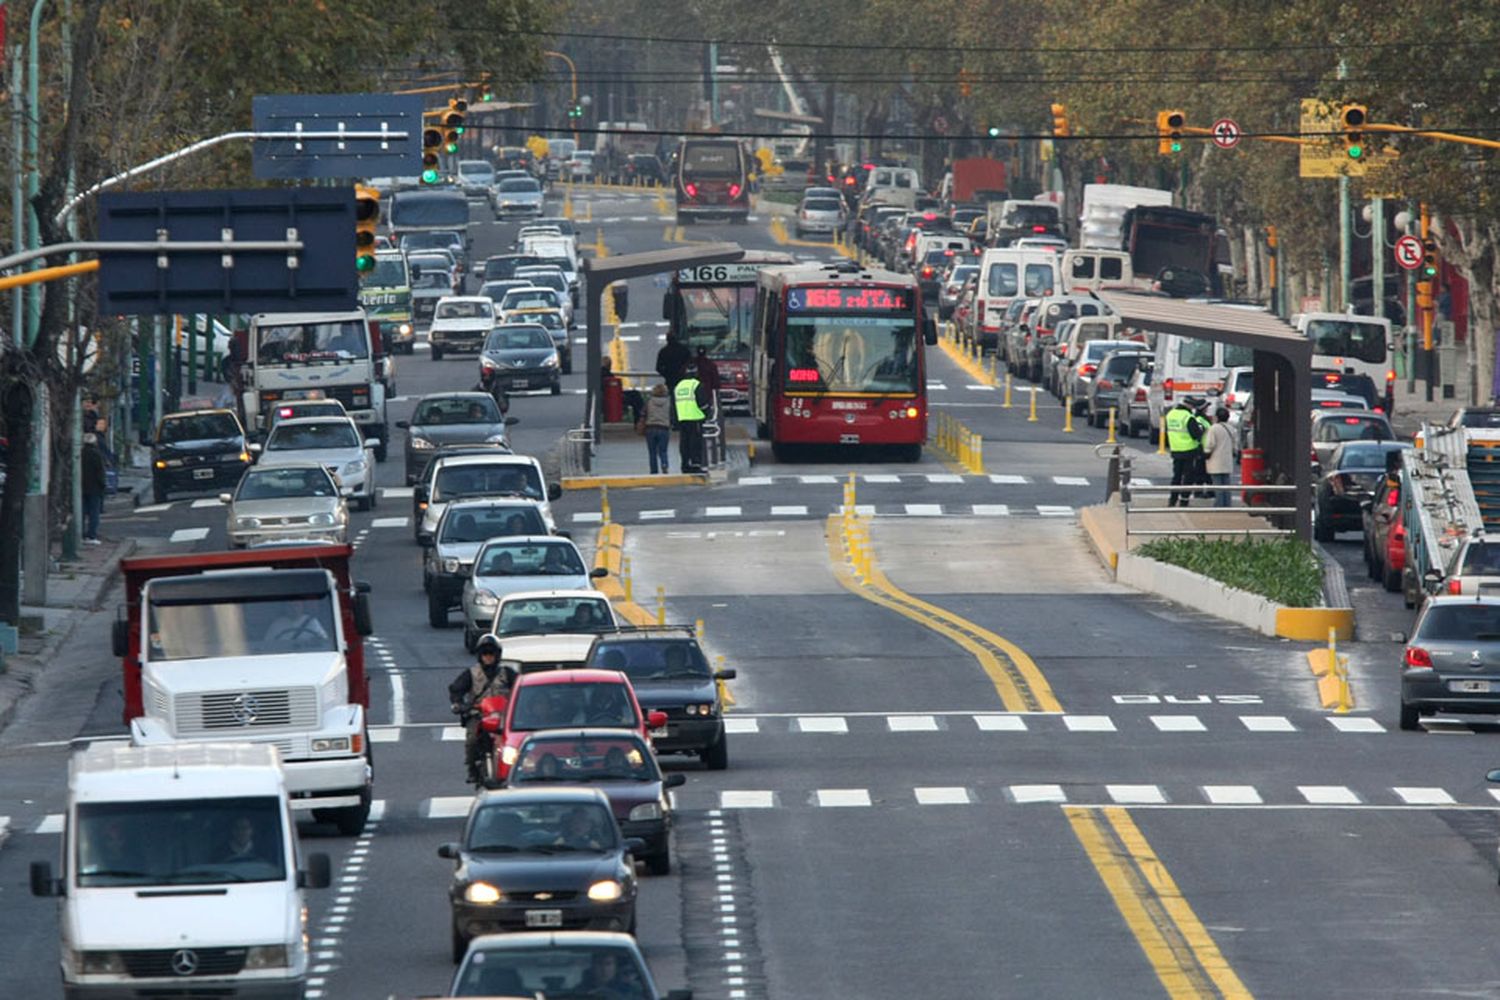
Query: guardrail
(1120, 481)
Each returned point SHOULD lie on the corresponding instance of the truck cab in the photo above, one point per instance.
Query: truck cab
(180, 874)
(262, 646)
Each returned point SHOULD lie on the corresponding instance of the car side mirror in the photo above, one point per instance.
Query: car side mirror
(42, 882)
(119, 636)
(403, 424)
(318, 874)
(673, 780)
(364, 620)
(656, 718)
(1399, 637)
(634, 845)
(449, 851)
(554, 491)
(726, 675)
(255, 448)
(369, 445)
(512, 421)
(226, 498)
(598, 573)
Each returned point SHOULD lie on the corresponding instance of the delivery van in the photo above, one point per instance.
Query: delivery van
(1190, 366)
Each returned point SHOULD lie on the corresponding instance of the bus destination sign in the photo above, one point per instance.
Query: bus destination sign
(849, 298)
(719, 274)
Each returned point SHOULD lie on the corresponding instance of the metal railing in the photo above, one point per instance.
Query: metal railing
(1120, 482)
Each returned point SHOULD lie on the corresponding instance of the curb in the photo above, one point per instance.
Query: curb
(1099, 540)
(632, 482)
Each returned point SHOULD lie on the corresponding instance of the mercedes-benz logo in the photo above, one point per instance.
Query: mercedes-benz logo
(246, 708)
(184, 961)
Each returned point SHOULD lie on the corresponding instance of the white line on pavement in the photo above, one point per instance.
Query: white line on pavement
(398, 697)
(188, 535)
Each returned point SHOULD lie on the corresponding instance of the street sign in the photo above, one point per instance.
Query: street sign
(280, 159)
(1409, 252)
(319, 277)
(1226, 133)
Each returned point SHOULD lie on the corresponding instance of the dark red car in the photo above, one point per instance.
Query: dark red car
(570, 699)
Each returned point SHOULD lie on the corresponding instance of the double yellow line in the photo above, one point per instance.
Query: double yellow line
(1181, 951)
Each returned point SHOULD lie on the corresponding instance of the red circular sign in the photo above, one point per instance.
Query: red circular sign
(1226, 133)
(1409, 252)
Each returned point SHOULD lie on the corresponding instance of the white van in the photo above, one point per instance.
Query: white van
(888, 178)
(1089, 270)
(1352, 345)
(180, 873)
(1006, 274)
(1190, 366)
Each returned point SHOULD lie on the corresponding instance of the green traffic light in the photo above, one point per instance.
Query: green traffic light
(1355, 152)
(364, 263)
(994, 132)
(459, 130)
(429, 176)
(452, 147)
(1176, 147)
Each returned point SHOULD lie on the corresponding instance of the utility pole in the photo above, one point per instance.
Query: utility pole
(1345, 223)
(1377, 257)
(35, 548)
(1411, 312)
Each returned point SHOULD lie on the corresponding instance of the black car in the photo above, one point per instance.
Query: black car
(1354, 471)
(502, 267)
(540, 858)
(520, 356)
(668, 670)
(451, 418)
(617, 762)
(642, 168)
(199, 451)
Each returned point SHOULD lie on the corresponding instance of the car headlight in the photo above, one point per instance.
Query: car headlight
(495, 439)
(482, 893)
(450, 565)
(247, 522)
(508, 756)
(419, 443)
(646, 811)
(606, 891)
(354, 468)
(405, 329)
(332, 744)
(95, 963)
(550, 361)
(486, 363)
(485, 598)
(321, 520)
(266, 956)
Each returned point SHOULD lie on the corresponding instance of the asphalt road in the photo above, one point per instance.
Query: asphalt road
(1189, 822)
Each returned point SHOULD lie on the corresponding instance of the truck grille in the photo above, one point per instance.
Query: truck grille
(220, 710)
(169, 963)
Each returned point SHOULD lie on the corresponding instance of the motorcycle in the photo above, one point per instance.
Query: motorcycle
(490, 713)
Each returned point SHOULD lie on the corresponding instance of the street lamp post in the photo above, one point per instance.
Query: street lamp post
(573, 73)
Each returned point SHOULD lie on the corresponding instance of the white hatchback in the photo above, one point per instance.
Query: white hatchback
(332, 442)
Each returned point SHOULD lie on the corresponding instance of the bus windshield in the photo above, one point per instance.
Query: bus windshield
(717, 319)
(430, 210)
(864, 353)
(294, 343)
(1348, 339)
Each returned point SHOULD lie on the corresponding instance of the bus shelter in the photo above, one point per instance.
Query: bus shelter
(601, 272)
(1282, 381)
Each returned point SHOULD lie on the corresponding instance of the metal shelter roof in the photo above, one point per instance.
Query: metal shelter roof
(1249, 327)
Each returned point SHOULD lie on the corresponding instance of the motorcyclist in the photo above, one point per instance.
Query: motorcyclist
(485, 679)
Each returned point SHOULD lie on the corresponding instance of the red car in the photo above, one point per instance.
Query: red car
(1385, 539)
(570, 699)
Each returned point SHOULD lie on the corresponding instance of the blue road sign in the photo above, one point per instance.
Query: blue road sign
(319, 277)
(281, 159)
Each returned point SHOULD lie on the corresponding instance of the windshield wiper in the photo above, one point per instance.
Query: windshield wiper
(115, 873)
(677, 673)
(494, 849)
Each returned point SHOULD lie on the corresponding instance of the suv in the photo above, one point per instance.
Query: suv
(462, 477)
(668, 670)
(462, 530)
(198, 450)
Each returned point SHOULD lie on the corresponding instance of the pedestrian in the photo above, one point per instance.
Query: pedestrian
(672, 359)
(1218, 449)
(708, 374)
(690, 397)
(656, 423)
(1199, 428)
(92, 486)
(1182, 441)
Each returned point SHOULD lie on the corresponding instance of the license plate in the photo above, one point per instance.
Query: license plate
(519, 383)
(544, 918)
(203, 473)
(660, 732)
(1470, 687)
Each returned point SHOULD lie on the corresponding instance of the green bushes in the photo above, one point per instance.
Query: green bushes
(1285, 570)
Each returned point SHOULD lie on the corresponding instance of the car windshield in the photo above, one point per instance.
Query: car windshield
(180, 842)
(198, 427)
(1481, 418)
(529, 298)
(652, 659)
(821, 205)
(466, 309)
(389, 272)
(517, 184)
(1482, 559)
(541, 827)
(339, 340)
(479, 524)
(431, 241)
(1367, 455)
(564, 971)
(456, 410)
(529, 559)
(283, 484)
(866, 353)
(495, 290)
(1348, 339)
(591, 759)
(1353, 429)
(433, 276)
(557, 706)
(247, 625)
(549, 279)
(517, 338)
(325, 434)
(1460, 622)
(487, 479)
(554, 614)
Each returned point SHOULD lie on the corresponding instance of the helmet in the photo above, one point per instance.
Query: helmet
(487, 644)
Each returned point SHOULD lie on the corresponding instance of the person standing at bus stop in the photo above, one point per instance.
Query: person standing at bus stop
(656, 424)
(689, 399)
(672, 359)
(1218, 450)
(1183, 432)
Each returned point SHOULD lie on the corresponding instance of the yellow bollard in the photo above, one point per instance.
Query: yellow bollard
(1161, 439)
(698, 628)
(724, 695)
(661, 605)
(625, 579)
(1006, 405)
(604, 502)
(978, 467)
(1067, 414)
(1032, 418)
(1111, 438)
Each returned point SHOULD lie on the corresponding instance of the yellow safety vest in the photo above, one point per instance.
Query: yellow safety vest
(1178, 436)
(686, 398)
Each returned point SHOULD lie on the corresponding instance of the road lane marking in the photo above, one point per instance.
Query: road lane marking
(1268, 724)
(881, 477)
(1178, 723)
(1355, 724)
(188, 535)
(843, 798)
(747, 800)
(385, 734)
(754, 481)
(912, 724)
(391, 522)
(1424, 796)
(398, 697)
(1135, 794)
(396, 493)
(658, 515)
(588, 517)
(741, 726)
(944, 477)
(1180, 950)
(1005, 480)
(1017, 679)
(1024, 794)
(1054, 511)
(1232, 795)
(1070, 480)
(924, 510)
(942, 796)
(823, 724)
(991, 510)
(51, 823)
(1328, 795)
(155, 508)
(453, 734)
(722, 511)
(1000, 723)
(1089, 723)
(789, 510)
(447, 806)
(818, 480)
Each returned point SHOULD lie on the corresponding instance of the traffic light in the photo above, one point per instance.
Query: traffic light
(453, 123)
(993, 131)
(1169, 126)
(1354, 117)
(432, 141)
(1060, 121)
(1429, 259)
(366, 219)
(575, 111)
(965, 84)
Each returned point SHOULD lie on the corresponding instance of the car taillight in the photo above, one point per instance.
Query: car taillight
(1417, 658)
(1105, 384)
(926, 272)
(1390, 375)
(691, 189)
(1455, 585)
(734, 190)
(1167, 389)
(1140, 394)
(1038, 229)
(1087, 369)
(1229, 399)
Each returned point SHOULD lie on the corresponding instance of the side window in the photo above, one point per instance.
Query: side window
(1110, 269)
(1195, 353)
(1038, 279)
(1083, 268)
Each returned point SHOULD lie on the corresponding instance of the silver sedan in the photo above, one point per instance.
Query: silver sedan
(298, 500)
(507, 566)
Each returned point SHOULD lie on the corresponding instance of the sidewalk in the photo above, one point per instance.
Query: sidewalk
(620, 461)
(1413, 409)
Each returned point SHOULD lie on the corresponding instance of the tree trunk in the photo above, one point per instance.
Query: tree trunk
(16, 403)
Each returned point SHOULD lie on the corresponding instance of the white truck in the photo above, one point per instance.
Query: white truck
(180, 875)
(330, 355)
(1101, 222)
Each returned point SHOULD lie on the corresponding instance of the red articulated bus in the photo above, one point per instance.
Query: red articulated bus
(713, 180)
(838, 359)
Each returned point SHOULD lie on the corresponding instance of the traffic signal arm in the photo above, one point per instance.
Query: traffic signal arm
(1467, 140)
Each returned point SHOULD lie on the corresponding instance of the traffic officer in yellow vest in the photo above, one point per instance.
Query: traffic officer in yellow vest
(1183, 433)
(691, 402)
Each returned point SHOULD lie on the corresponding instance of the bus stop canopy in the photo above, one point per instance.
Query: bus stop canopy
(1282, 382)
(601, 272)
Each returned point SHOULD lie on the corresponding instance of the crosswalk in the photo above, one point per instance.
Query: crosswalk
(919, 478)
(762, 512)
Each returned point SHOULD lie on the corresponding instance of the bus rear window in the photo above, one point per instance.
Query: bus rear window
(711, 159)
(1345, 339)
